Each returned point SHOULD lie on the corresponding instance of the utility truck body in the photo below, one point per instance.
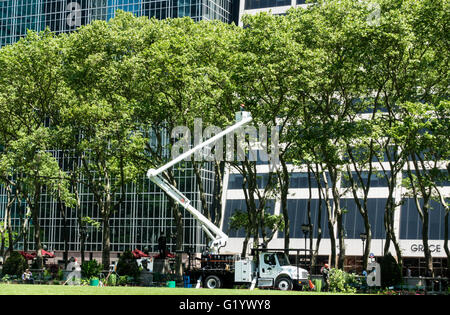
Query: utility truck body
(265, 269)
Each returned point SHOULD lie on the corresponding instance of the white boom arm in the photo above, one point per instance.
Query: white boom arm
(218, 238)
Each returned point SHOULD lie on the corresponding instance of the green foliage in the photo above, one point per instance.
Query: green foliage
(123, 280)
(112, 280)
(15, 265)
(240, 220)
(341, 281)
(127, 265)
(91, 268)
(91, 222)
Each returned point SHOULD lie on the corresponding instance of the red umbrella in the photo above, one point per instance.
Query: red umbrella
(28, 256)
(139, 254)
(168, 255)
(47, 254)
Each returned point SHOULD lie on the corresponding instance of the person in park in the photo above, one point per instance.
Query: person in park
(162, 244)
(27, 277)
(325, 271)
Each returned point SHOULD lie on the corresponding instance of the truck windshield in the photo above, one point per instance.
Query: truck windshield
(283, 259)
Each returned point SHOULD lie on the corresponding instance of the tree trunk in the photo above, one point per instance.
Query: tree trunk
(37, 227)
(62, 211)
(341, 236)
(218, 192)
(106, 251)
(284, 185)
(245, 245)
(201, 190)
(178, 217)
(447, 251)
(425, 228)
(315, 253)
(2, 246)
(106, 212)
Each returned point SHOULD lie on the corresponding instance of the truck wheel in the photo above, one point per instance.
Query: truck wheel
(213, 282)
(284, 284)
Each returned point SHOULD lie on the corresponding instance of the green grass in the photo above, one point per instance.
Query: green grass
(25, 289)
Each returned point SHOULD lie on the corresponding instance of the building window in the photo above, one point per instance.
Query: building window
(260, 4)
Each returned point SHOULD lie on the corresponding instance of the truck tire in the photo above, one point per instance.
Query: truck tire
(284, 283)
(213, 282)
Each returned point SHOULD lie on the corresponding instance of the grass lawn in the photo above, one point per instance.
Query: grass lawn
(26, 289)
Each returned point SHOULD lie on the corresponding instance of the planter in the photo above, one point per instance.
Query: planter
(94, 282)
(171, 284)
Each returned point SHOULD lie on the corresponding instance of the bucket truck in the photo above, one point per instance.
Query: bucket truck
(266, 269)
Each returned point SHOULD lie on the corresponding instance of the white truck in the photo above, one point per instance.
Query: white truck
(268, 268)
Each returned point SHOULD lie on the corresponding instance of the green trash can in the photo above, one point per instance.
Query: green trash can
(170, 284)
(318, 284)
(94, 282)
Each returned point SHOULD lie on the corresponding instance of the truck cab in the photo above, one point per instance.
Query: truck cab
(275, 270)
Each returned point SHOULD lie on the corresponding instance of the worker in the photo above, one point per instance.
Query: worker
(162, 244)
(325, 271)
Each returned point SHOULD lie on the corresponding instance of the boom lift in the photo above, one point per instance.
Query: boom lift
(269, 268)
(218, 238)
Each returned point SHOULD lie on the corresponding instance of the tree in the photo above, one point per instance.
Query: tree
(361, 153)
(333, 33)
(269, 63)
(100, 118)
(271, 224)
(15, 264)
(426, 146)
(31, 93)
(180, 79)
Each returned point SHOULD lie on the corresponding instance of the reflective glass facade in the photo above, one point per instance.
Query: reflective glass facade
(137, 223)
(304, 204)
(17, 16)
(259, 4)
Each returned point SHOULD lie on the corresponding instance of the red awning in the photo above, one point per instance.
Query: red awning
(139, 254)
(32, 255)
(28, 256)
(168, 255)
(47, 254)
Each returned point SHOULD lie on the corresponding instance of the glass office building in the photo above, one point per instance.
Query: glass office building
(17, 16)
(304, 205)
(145, 211)
(137, 223)
(276, 7)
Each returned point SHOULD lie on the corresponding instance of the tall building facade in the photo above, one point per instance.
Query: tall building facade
(277, 7)
(143, 215)
(17, 16)
(304, 205)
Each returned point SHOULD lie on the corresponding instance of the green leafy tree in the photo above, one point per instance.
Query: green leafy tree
(127, 265)
(426, 145)
(333, 34)
(268, 64)
(99, 119)
(15, 264)
(179, 80)
(31, 94)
